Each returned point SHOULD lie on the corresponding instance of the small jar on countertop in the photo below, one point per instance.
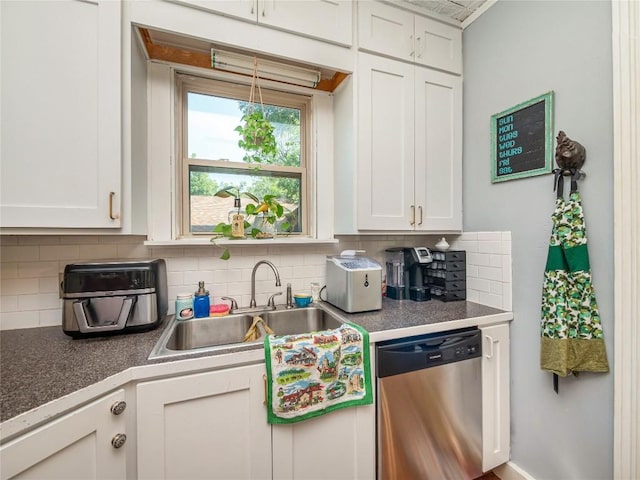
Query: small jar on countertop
(184, 306)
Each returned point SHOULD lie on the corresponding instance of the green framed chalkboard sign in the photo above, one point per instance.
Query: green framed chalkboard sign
(522, 140)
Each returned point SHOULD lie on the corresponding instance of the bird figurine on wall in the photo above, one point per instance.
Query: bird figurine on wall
(570, 155)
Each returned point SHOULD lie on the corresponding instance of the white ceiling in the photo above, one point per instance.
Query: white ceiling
(454, 9)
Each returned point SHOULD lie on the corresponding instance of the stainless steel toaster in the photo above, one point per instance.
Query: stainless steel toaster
(354, 283)
(113, 297)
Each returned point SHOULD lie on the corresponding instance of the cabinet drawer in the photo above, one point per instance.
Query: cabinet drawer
(447, 275)
(449, 286)
(439, 294)
(453, 256)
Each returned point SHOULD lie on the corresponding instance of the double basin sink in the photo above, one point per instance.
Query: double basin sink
(198, 335)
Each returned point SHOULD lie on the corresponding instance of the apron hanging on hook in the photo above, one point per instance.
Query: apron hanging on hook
(571, 333)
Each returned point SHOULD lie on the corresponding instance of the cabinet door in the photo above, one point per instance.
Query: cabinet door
(75, 446)
(338, 445)
(438, 45)
(209, 425)
(385, 29)
(245, 9)
(326, 20)
(495, 396)
(438, 150)
(61, 107)
(385, 144)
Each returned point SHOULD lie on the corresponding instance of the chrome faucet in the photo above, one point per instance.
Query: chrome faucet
(252, 303)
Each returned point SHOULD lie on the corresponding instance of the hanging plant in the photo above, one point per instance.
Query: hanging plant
(256, 131)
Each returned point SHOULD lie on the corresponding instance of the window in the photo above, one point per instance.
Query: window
(208, 113)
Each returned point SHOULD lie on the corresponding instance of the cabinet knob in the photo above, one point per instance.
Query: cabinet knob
(118, 407)
(118, 440)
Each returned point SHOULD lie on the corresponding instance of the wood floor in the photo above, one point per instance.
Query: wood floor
(489, 476)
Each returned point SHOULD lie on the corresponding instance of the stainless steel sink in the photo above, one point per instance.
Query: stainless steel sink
(300, 320)
(198, 335)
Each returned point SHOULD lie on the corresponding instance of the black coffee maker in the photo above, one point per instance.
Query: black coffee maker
(405, 273)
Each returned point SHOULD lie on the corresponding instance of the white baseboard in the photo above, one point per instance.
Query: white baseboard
(511, 471)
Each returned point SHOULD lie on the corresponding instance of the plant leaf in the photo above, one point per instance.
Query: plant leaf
(225, 255)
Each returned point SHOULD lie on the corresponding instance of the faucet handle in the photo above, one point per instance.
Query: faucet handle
(234, 304)
(271, 302)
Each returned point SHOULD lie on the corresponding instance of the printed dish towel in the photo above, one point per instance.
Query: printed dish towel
(315, 373)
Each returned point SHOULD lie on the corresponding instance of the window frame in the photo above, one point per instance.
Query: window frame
(239, 90)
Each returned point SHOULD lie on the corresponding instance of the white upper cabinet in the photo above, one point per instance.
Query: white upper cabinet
(438, 150)
(438, 45)
(409, 169)
(398, 33)
(61, 114)
(385, 187)
(328, 20)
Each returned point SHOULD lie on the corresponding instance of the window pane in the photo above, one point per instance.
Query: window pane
(207, 210)
(211, 123)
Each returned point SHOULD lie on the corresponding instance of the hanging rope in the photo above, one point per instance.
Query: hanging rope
(255, 81)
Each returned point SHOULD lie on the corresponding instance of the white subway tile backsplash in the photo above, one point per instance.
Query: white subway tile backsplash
(479, 284)
(37, 269)
(9, 270)
(49, 285)
(490, 299)
(19, 253)
(507, 296)
(8, 303)
(19, 286)
(31, 266)
(490, 246)
(490, 273)
(479, 259)
(13, 320)
(60, 252)
(489, 236)
(51, 318)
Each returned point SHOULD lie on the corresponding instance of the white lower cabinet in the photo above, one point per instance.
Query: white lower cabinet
(495, 396)
(208, 425)
(338, 445)
(81, 445)
(213, 425)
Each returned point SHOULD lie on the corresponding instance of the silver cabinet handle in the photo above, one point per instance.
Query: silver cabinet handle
(413, 215)
(118, 440)
(419, 47)
(118, 407)
(420, 210)
(112, 215)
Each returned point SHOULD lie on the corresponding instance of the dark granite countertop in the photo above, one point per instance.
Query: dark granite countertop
(38, 365)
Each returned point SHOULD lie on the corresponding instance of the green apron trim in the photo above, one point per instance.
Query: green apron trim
(573, 259)
(566, 355)
(578, 258)
(555, 259)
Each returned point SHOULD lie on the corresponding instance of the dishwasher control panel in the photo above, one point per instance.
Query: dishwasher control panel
(394, 357)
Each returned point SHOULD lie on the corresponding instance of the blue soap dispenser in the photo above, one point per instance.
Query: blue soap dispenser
(201, 302)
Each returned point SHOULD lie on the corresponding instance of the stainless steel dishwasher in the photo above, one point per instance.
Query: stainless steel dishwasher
(429, 392)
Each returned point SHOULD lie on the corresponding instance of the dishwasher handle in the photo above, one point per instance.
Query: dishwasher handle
(425, 352)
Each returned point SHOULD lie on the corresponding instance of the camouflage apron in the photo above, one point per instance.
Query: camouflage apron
(571, 333)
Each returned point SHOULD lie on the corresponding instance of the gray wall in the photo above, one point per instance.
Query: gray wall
(513, 52)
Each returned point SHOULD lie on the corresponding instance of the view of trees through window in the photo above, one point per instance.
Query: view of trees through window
(216, 161)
